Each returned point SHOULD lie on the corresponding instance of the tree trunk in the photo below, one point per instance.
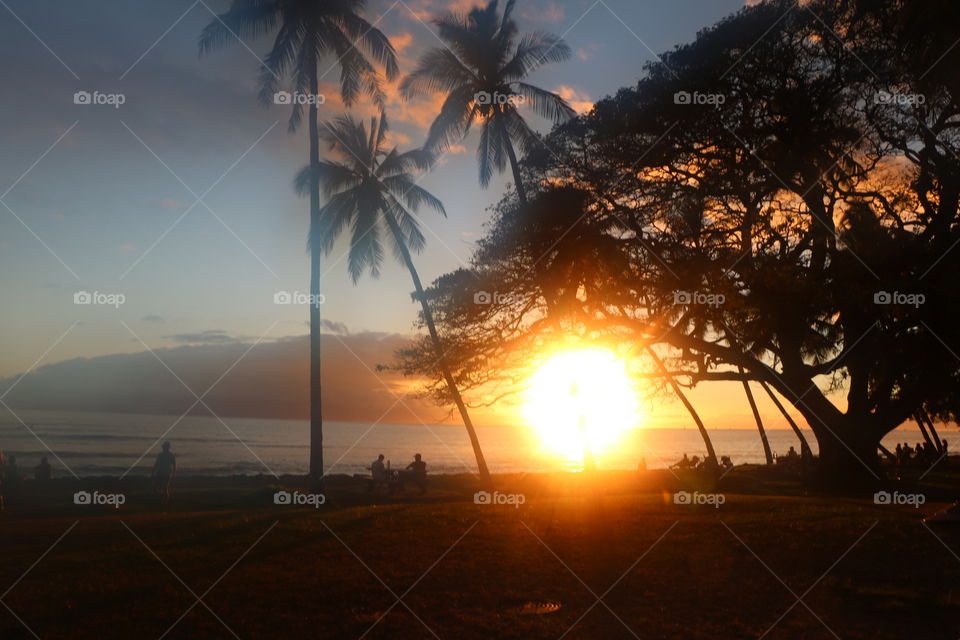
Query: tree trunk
(848, 461)
(515, 166)
(923, 429)
(316, 414)
(711, 454)
(804, 446)
(756, 416)
(933, 430)
(441, 353)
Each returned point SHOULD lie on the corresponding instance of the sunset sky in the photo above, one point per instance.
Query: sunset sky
(104, 199)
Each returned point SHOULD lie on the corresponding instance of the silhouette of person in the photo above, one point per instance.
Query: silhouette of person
(417, 472)
(42, 472)
(3, 477)
(378, 473)
(164, 470)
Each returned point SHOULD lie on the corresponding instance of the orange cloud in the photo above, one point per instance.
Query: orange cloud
(579, 100)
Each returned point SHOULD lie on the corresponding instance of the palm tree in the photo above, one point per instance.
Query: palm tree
(482, 72)
(306, 32)
(768, 454)
(372, 191)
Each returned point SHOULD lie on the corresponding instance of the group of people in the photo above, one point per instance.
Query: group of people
(11, 479)
(697, 464)
(381, 475)
(922, 454)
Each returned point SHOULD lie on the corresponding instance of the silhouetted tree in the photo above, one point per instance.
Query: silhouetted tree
(371, 190)
(482, 70)
(306, 32)
(771, 198)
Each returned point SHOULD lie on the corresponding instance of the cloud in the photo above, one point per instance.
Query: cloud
(153, 318)
(588, 51)
(213, 336)
(551, 13)
(579, 100)
(128, 247)
(270, 381)
(170, 203)
(335, 327)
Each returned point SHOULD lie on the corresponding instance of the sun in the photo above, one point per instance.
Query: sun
(581, 402)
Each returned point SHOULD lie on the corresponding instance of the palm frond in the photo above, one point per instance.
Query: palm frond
(545, 103)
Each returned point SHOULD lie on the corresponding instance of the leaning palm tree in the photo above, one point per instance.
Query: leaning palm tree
(482, 71)
(372, 191)
(307, 32)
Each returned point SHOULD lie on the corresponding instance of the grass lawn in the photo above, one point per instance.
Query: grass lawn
(461, 570)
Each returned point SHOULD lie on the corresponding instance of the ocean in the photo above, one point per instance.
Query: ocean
(97, 444)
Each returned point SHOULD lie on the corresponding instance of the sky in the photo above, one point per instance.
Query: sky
(178, 202)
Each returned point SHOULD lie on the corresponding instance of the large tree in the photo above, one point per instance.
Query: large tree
(305, 33)
(773, 204)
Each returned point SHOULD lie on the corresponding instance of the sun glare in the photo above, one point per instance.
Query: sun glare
(581, 402)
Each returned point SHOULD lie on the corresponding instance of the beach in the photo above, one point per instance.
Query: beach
(661, 569)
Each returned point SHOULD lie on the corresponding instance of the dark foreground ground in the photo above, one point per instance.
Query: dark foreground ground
(617, 554)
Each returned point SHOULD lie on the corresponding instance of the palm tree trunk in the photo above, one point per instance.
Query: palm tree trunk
(756, 416)
(933, 430)
(711, 454)
(441, 353)
(804, 446)
(515, 166)
(316, 414)
(923, 429)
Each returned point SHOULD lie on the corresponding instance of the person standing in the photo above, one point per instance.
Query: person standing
(164, 470)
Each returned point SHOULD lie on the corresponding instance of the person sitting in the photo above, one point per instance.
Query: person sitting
(378, 474)
(43, 472)
(726, 463)
(12, 474)
(416, 473)
(695, 462)
(682, 463)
